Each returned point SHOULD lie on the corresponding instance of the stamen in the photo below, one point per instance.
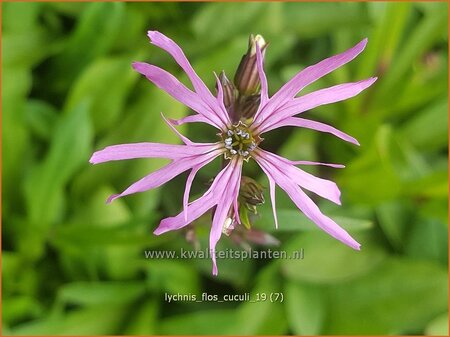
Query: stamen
(239, 140)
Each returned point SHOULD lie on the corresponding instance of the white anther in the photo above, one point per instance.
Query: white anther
(227, 226)
(232, 151)
(228, 141)
(245, 153)
(230, 133)
(251, 147)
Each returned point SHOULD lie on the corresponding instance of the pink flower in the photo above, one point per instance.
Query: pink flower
(239, 142)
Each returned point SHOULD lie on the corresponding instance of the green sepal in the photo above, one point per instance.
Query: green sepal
(243, 215)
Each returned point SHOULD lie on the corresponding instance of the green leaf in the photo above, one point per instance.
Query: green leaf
(290, 147)
(327, 260)
(420, 93)
(428, 130)
(438, 326)
(106, 83)
(98, 225)
(145, 319)
(426, 33)
(265, 316)
(290, 220)
(399, 297)
(19, 308)
(389, 22)
(432, 185)
(82, 236)
(97, 293)
(236, 272)
(20, 17)
(94, 35)
(371, 178)
(206, 322)
(11, 267)
(309, 20)
(230, 23)
(394, 218)
(172, 276)
(305, 307)
(434, 233)
(15, 134)
(41, 118)
(80, 322)
(72, 10)
(69, 150)
(25, 48)
(435, 208)
(96, 212)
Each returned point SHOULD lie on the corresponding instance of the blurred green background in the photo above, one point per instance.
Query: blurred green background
(73, 265)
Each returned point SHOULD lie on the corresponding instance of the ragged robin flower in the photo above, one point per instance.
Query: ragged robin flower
(239, 140)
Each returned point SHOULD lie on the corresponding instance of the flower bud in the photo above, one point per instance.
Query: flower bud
(228, 90)
(254, 236)
(251, 192)
(247, 106)
(246, 78)
(261, 238)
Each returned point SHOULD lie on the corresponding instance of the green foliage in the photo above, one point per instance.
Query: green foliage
(72, 265)
(379, 297)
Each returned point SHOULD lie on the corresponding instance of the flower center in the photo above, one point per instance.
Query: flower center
(239, 141)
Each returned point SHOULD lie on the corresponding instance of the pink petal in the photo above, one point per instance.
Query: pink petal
(272, 199)
(167, 82)
(303, 162)
(325, 188)
(307, 206)
(219, 92)
(236, 210)
(220, 216)
(227, 196)
(317, 126)
(312, 100)
(184, 139)
(162, 41)
(195, 210)
(219, 99)
(148, 150)
(168, 172)
(200, 206)
(310, 75)
(187, 189)
(262, 76)
(189, 119)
